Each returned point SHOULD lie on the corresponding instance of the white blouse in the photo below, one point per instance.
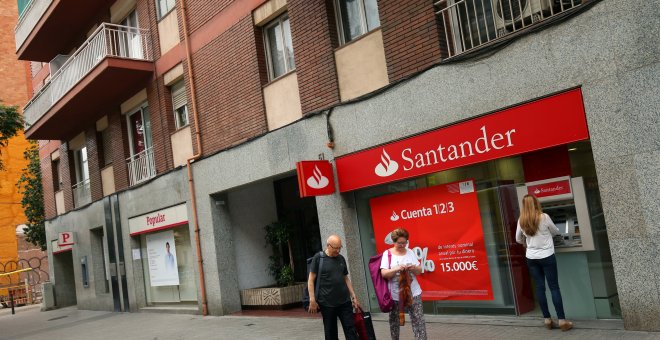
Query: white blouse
(540, 245)
(393, 283)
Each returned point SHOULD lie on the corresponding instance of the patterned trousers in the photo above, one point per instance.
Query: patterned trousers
(416, 319)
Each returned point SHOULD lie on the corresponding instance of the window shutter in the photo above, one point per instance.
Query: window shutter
(179, 98)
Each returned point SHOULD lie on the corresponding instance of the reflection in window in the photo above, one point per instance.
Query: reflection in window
(279, 47)
(356, 17)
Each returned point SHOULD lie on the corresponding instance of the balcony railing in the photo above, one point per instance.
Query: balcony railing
(141, 167)
(81, 193)
(472, 24)
(107, 41)
(29, 18)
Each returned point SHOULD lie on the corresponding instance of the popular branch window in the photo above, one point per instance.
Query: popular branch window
(356, 17)
(164, 7)
(279, 48)
(180, 104)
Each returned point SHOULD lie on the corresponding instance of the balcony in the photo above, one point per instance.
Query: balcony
(109, 67)
(141, 167)
(472, 25)
(81, 193)
(47, 27)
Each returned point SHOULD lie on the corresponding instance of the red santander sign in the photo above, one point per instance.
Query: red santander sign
(550, 121)
(315, 178)
(555, 188)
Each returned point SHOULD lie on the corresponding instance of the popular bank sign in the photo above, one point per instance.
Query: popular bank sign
(554, 120)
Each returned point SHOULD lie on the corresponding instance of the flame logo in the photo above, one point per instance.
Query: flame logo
(537, 191)
(317, 180)
(394, 217)
(387, 166)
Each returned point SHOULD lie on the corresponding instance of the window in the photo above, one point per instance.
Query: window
(81, 189)
(105, 149)
(356, 17)
(57, 178)
(279, 48)
(180, 104)
(164, 7)
(129, 39)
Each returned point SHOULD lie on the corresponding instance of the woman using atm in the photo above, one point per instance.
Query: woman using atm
(535, 230)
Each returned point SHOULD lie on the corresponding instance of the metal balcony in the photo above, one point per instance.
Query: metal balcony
(109, 67)
(141, 167)
(47, 28)
(82, 193)
(471, 25)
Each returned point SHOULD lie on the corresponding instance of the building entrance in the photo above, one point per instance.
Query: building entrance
(65, 281)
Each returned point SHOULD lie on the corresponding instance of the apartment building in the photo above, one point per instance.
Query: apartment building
(170, 132)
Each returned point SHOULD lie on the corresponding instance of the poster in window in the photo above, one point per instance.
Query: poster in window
(161, 252)
(446, 235)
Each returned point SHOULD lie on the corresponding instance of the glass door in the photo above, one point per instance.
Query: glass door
(141, 165)
(130, 39)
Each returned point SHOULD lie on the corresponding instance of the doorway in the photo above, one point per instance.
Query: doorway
(64, 279)
(302, 215)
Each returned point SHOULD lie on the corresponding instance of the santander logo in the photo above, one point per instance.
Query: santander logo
(537, 191)
(387, 166)
(394, 217)
(317, 180)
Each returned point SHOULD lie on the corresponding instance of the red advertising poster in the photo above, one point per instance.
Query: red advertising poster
(446, 235)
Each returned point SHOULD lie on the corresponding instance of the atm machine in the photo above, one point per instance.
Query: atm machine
(565, 201)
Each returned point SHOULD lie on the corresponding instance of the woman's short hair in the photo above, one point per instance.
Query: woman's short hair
(400, 232)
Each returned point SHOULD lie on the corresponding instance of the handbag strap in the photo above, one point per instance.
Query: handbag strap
(318, 275)
(389, 259)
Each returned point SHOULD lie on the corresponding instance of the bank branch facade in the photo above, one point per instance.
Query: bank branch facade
(173, 132)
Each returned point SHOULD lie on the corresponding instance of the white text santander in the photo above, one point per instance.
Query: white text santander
(443, 154)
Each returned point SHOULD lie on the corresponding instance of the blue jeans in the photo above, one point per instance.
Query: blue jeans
(542, 269)
(345, 314)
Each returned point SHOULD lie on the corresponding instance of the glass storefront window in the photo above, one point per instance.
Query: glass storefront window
(165, 290)
(588, 275)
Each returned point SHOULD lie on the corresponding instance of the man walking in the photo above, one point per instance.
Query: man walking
(335, 296)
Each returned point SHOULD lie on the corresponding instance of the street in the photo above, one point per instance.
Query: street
(70, 323)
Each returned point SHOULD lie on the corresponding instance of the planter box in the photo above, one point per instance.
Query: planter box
(272, 297)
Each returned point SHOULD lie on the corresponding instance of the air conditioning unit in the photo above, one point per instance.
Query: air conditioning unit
(512, 14)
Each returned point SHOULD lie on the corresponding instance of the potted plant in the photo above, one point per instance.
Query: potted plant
(287, 292)
(278, 236)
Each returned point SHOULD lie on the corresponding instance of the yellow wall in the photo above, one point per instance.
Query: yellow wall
(13, 91)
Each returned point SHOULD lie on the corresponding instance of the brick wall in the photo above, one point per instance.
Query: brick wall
(410, 36)
(200, 12)
(93, 163)
(162, 124)
(119, 148)
(314, 36)
(47, 183)
(147, 12)
(230, 101)
(67, 174)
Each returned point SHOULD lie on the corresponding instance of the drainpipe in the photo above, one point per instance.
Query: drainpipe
(198, 138)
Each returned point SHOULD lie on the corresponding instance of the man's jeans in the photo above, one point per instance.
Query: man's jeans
(345, 314)
(542, 269)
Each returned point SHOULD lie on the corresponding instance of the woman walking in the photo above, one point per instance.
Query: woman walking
(400, 267)
(535, 230)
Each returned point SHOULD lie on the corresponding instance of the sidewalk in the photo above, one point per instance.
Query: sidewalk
(70, 323)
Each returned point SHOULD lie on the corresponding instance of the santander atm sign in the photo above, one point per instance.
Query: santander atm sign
(550, 121)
